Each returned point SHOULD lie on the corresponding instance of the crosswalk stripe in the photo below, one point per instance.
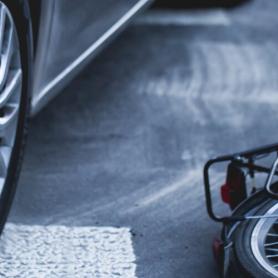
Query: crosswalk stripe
(60, 251)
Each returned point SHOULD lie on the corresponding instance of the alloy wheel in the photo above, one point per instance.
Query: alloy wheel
(10, 89)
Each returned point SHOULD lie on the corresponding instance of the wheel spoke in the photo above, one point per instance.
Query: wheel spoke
(10, 88)
(271, 244)
(272, 256)
(2, 182)
(2, 25)
(5, 154)
(272, 235)
(9, 116)
(271, 249)
(6, 58)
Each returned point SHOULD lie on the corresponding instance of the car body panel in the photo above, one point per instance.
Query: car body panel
(70, 34)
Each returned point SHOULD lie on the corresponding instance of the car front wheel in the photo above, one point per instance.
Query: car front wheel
(15, 73)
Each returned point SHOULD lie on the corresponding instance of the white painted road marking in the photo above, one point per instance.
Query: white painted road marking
(190, 177)
(59, 251)
(183, 18)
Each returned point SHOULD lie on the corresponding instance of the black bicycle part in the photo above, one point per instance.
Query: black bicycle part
(242, 160)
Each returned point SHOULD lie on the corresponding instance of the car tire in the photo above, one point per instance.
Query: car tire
(17, 16)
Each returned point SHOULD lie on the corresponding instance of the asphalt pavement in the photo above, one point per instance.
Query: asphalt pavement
(125, 143)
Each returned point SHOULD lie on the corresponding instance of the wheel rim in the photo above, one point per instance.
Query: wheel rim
(264, 242)
(10, 89)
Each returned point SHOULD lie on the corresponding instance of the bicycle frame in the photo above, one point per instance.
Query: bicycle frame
(244, 160)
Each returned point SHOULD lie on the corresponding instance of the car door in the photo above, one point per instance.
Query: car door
(71, 33)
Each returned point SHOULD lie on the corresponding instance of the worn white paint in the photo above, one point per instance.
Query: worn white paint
(60, 251)
(189, 177)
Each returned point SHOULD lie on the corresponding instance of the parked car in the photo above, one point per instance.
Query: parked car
(44, 44)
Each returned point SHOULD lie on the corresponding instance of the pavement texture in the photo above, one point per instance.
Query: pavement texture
(125, 143)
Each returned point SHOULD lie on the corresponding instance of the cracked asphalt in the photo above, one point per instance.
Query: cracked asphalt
(125, 143)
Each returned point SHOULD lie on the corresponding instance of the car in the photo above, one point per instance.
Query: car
(44, 44)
